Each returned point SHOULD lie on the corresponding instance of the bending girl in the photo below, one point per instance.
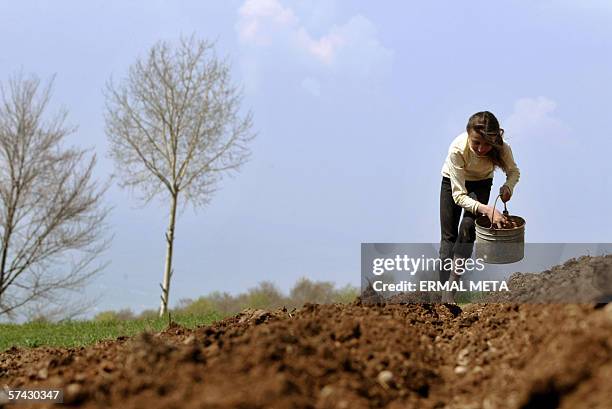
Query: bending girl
(467, 177)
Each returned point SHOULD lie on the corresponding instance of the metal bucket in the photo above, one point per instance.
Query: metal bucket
(500, 246)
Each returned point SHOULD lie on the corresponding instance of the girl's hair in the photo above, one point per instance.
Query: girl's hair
(487, 126)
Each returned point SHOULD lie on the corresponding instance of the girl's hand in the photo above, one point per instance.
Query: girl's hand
(505, 193)
(499, 220)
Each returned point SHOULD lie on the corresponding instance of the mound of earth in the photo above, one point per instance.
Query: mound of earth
(344, 356)
(585, 279)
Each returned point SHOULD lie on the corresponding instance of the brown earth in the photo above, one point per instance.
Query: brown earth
(347, 356)
(586, 279)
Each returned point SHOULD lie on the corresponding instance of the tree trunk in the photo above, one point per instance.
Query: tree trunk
(168, 268)
(8, 232)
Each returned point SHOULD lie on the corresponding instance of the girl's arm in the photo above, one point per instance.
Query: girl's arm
(457, 177)
(460, 194)
(512, 171)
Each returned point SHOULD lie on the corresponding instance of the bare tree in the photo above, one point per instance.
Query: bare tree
(175, 128)
(51, 216)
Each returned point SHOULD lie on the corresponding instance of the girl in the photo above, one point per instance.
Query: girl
(467, 177)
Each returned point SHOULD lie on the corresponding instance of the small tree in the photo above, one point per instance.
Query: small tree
(175, 127)
(304, 291)
(51, 216)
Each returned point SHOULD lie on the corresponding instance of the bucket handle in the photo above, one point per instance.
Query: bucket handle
(493, 212)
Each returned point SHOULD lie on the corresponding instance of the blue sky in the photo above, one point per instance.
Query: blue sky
(355, 104)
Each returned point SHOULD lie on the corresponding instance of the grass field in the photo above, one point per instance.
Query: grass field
(81, 333)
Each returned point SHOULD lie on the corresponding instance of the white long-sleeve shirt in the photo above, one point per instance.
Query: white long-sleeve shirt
(463, 164)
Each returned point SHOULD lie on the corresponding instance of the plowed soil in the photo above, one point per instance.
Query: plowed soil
(487, 356)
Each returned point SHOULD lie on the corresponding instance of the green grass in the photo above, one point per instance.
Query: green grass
(81, 333)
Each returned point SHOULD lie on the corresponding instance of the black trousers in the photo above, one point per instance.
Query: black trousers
(457, 239)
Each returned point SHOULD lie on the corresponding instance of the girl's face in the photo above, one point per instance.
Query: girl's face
(478, 144)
